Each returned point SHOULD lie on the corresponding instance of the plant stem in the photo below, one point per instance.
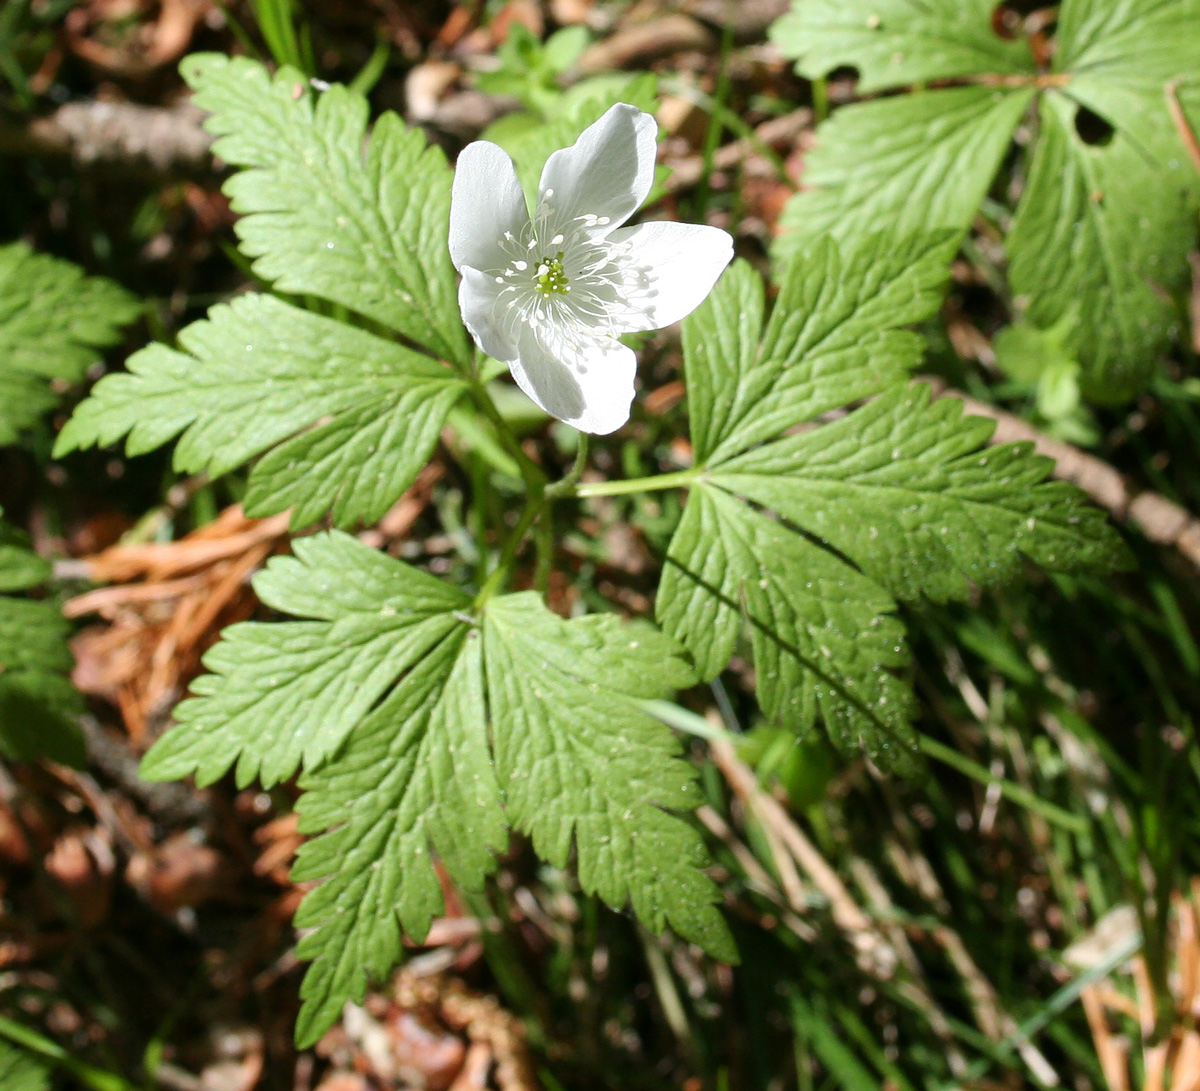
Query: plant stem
(544, 545)
(533, 508)
(531, 473)
(566, 486)
(679, 480)
(94, 1078)
(535, 502)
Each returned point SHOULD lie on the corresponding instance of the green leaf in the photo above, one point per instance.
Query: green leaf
(897, 42)
(285, 695)
(20, 1071)
(20, 567)
(1025, 352)
(38, 705)
(825, 644)
(421, 728)
(1120, 55)
(837, 334)
(1058, 390)
(801, 544)
(346, 419)
(1107, 216)
(418, 776)
(327, 212)
(53, 319)
(908, 492)
(580, 761)
(908, 164)
(1090, 242)
(565, 46)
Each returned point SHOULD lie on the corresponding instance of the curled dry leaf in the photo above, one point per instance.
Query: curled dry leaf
(97, 33)
(166, 605)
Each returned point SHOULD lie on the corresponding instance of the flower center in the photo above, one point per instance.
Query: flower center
(551, 279)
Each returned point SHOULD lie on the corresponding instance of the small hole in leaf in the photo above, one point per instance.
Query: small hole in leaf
(1006, 22)
(1092, 128)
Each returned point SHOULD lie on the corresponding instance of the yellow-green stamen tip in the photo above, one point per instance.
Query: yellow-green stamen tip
(551, 279)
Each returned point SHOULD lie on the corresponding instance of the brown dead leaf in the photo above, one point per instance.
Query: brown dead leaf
(344, 1081)
(280, 840)
(165, 606)
(111, 37)
(178, 874)
(82, 864)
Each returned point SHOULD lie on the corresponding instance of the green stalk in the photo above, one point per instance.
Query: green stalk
(680, 480)
(566, 486)
(93, 1078)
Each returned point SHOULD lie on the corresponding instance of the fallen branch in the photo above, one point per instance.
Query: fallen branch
(122, 136)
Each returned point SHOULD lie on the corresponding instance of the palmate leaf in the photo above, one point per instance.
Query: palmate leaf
(1102, 231)
(896, 42)
(446, 725)
(38, 705)
(804, 544)
(346, 418)
(327, 212)
(53, 319)
(1089, 246)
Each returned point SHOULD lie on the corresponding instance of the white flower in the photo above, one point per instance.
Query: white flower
(550, 295)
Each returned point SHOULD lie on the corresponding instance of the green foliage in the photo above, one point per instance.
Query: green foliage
(896, 42)
(52, 321)
(529, 70)
(808, 540)
(285, 695)
(327, 212)
(19, 1071)
(1041, 360)
(453, 724)
(342, 418)
(911, 163)
(38, 705)
(1106, 218)
(346, 418)
(276, 23)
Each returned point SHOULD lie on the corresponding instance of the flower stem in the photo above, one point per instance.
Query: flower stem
(535, 501)
(679, 480)
(496, 578)
(566, 487)
(531, 472)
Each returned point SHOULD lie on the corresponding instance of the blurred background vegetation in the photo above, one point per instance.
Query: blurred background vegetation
(1023, 915)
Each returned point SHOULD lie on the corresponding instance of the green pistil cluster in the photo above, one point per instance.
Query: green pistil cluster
(551, 280)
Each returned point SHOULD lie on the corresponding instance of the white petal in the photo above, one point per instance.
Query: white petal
(606, 173)
(678, 263)
(483, 313)
(485, 202)
(589, 387)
